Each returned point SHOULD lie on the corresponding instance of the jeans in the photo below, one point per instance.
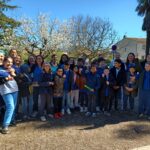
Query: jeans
(144, 102)
(27, 105)
(10, 102)
(91, 102)
(125, 101)
(74, 98)
(35, 98)
(46, 103)
(66, 100)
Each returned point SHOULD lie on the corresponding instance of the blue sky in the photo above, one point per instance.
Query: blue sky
(120, 12)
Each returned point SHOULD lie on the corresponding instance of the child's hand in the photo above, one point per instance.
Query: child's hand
(51, 83)
(107, 82)
(64, 76)
(12, 72)
(103, 75)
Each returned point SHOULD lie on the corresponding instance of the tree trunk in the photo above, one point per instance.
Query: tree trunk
(147, 43)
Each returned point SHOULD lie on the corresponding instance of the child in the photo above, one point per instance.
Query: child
(92, 85)
(67, 88)
(119, 75)
(75, 88)
(130, 88)
(24, 82)
(144, 92)
(46, 91)
(106, 91)
(58, 92)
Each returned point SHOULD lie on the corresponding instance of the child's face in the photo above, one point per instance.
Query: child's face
(117, 65)
(60, 72)
(8, 63)
(102, 64)
(66, 67)
(75, 69)
(93, 69)
(147, 67)
(17, 60)
(106, 71)
(132, 70)
(47, 68)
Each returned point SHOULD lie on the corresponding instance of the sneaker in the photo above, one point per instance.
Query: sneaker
(87, 114)
(68, 111)
(5, 130)
(50, 116)
(107, 113)
(43, 118)
(93, 114)
(63, 111)
(56, 116)
(97, 109)
(85, 109)
(141, 115)
(34, 114)
(60, 114)
(25, 117)
(81, 109)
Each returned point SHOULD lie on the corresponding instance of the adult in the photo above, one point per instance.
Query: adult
(54, 64)
(9, 92)
(13, 53)
(132, 60)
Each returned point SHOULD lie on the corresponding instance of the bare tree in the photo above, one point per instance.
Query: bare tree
(93, 34)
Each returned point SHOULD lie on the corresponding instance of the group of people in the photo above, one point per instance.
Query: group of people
(52, 89)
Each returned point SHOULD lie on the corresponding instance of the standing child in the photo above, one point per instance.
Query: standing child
(58, 92)
(46, 91)
(106, 90)
(130, 88)
(75, 88)
(92, 85)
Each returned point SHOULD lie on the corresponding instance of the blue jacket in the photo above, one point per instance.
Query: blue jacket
(93, 81)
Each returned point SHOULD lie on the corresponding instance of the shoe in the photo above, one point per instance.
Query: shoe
(81, 109)
(85, 109)
(13, 124)
(43, 118)
(63, 111)
(56, 116)
(148, 118)
(141, 115)
(25, 117)
(50, 116)
(97, 109)
(87, 114)
(60, 114)
(5, 130)
(107, 113)
(68, 111)
(93, 114)
(34, 114)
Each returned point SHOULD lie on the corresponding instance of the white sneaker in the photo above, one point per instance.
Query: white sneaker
(85, 109)
(87, 114)
(63, 111)
(68, 111)
(43, 118)
(107, 113)
(97, 109)
(34, 114)
(81, 109)
(93, 114)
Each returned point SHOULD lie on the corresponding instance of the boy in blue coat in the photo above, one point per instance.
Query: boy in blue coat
(92, 86)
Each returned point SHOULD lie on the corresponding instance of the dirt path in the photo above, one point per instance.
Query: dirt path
(77, 132)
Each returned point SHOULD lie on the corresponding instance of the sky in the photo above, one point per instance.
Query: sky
(121, 13)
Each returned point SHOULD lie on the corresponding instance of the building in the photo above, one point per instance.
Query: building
(134, 45)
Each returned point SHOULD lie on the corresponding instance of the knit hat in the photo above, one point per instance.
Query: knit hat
(2, 52)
